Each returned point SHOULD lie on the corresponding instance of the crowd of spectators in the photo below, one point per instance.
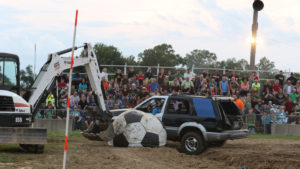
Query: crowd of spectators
(263, 102)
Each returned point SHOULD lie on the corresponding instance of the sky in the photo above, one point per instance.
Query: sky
(220, 26)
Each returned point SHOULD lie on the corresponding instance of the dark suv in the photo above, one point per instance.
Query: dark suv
(196, 121)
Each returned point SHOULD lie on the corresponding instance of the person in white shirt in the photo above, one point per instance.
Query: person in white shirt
(104, 74)
(189, 74)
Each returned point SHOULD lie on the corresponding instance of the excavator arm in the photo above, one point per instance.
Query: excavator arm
(56, 64)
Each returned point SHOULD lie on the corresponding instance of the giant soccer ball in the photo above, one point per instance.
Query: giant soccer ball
(138, 129)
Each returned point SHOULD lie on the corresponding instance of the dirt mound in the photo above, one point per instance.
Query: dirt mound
(237, 154)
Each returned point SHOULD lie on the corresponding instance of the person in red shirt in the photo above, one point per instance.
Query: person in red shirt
(62, 83)
(276, 86)
(105, 84)
(146, 85)
(140, 78)
(289, 106)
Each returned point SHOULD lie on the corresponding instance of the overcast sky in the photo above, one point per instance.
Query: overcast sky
(221, 26)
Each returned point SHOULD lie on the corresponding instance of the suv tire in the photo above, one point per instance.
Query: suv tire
(192, 143)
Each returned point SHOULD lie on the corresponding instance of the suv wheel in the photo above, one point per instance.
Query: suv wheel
(192, 143)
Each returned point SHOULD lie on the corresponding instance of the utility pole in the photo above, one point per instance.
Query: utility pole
(257, 6)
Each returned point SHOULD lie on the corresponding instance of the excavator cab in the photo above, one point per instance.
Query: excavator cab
(9, 72)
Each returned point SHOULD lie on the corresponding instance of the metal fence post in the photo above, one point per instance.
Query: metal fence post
(223, 70)
(157, 70)
(193, 68)
(125, 69)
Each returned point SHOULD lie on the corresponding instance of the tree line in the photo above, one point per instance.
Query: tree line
(164, 55)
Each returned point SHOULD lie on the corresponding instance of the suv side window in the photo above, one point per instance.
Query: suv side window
(178, 106)
(148, 106)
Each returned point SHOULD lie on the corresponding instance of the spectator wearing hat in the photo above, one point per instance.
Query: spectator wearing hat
(280, 77)
(293, 79)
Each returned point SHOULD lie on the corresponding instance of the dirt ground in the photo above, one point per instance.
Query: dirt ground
(237, 154)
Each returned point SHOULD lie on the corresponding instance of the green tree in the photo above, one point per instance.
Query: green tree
(26, 77)
(163, 54)
(200, 58)
(265, 64)
(108, 55)
(130, 60)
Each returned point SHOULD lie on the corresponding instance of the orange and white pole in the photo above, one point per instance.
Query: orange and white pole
(69, 93)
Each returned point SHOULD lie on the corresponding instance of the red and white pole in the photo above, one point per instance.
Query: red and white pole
(69, 93)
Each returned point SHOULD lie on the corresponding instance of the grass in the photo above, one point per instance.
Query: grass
(60, 134)
(10, 153)
(267, 136)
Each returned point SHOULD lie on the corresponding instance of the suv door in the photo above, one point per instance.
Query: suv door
(177, 112)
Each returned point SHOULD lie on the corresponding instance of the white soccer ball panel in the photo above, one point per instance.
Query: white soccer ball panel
(151, 123)
(134, 133)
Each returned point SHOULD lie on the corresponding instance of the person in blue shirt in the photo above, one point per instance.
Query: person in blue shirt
(82, 87)
(266, 122)
(281, 116)
(155, 109)
(154, 85)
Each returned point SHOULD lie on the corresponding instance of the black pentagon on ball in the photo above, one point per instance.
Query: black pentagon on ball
(120, 141)
(150, 140)
(132, 117)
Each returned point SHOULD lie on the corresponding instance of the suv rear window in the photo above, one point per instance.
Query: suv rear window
(204, 107)
(178, 106)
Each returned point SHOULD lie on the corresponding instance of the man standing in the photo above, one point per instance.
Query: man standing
(188, 74)
(224, 86)
(293, 79)
(104, 74)
(280, 77)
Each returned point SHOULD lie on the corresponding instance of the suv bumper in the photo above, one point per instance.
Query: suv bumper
(226, 135)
